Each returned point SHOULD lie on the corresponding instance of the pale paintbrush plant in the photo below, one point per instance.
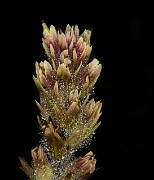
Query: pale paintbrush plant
(67, 119)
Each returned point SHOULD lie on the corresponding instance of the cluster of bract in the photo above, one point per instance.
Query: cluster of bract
(68, 118)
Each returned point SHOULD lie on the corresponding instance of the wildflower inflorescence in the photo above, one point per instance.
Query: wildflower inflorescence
(68, 117)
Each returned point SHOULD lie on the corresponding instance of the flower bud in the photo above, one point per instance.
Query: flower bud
(47, 69)
(82, 167)
(63, 71)
(46, 31)
(53, 34)
(54, 140)
(26, 168)
(44, 72)
(63, 55)
(73, 95)
(86, 36)
(52, 51)
(62, 41)
(74, 55)
(67, 61)
(55, 89)
(73, 109)
(42, 78)
(92, 70)
(95, 111)
(42, 166)
(87, 163)
(76, 31)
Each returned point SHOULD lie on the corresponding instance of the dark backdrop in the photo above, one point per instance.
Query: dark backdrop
(122, 41)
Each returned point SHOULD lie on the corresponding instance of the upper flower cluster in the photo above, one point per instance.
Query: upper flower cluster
(65, 80)
(68, 54)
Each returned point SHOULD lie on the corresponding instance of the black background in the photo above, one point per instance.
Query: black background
(122, 41)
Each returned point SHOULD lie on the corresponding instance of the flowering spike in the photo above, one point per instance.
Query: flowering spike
(68, 119)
